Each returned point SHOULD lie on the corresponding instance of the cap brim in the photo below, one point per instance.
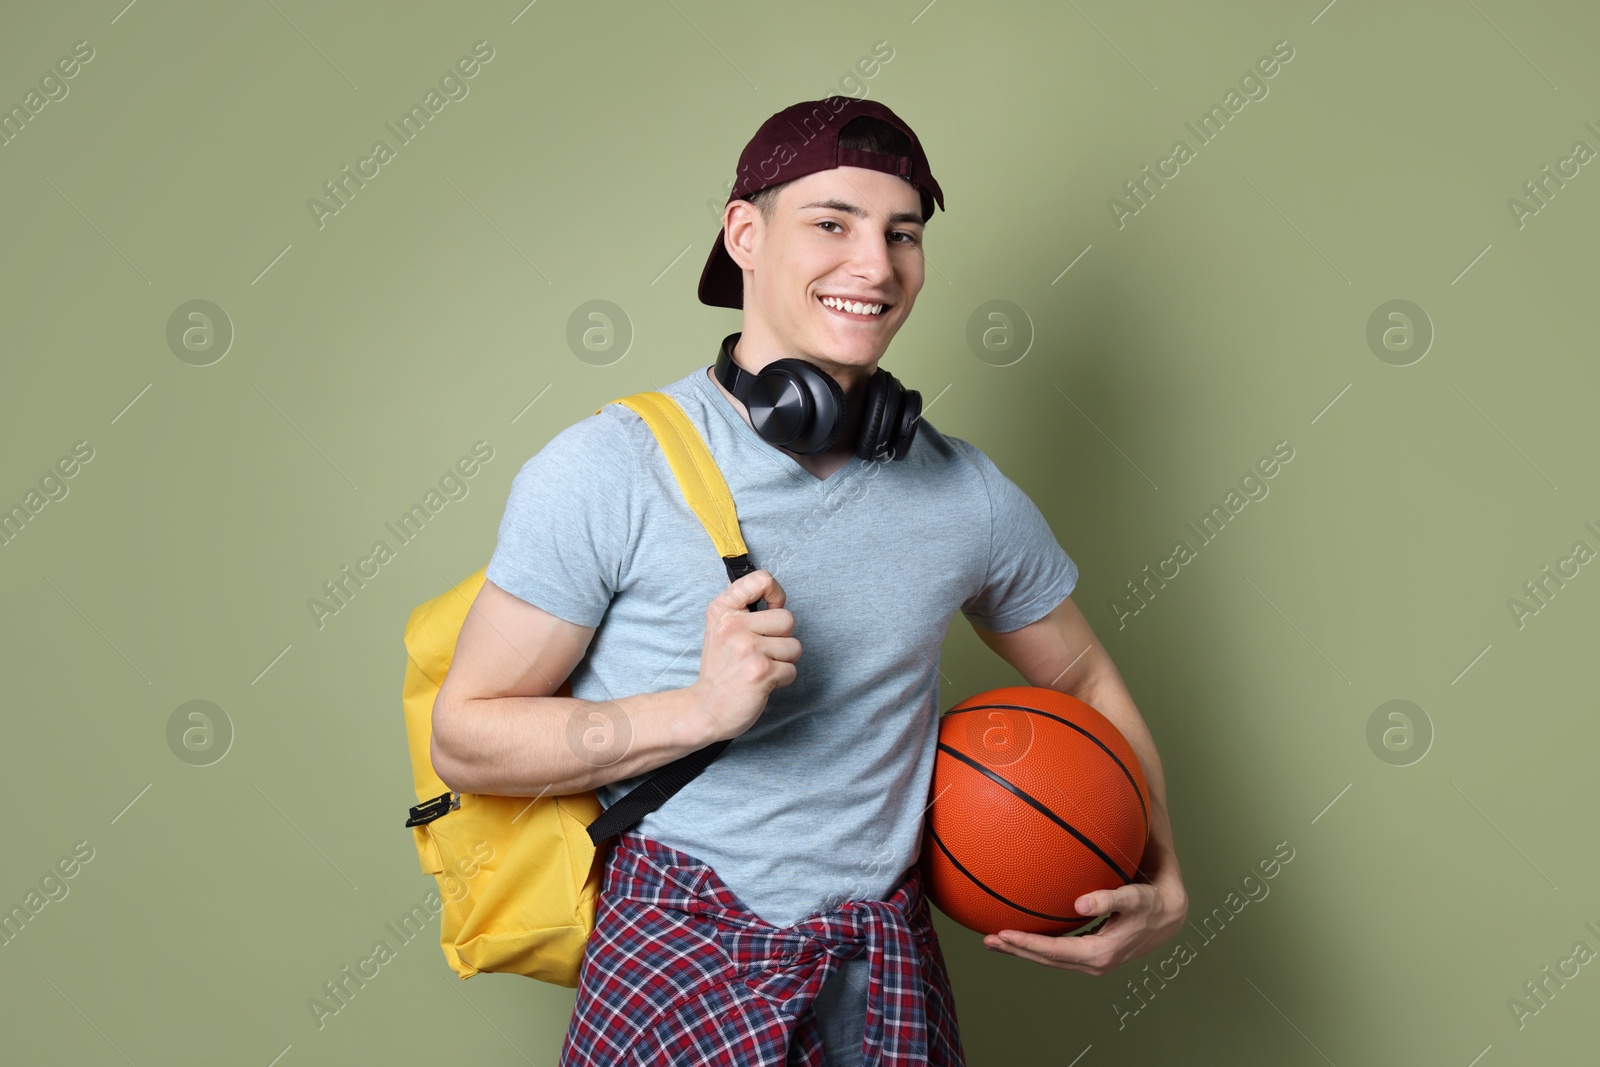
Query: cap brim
(721, 280)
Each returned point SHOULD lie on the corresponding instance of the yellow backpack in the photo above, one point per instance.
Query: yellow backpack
(519, 877)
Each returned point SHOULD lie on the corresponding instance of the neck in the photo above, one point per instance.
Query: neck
(758, 345)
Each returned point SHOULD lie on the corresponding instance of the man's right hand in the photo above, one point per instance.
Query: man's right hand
(746, 655)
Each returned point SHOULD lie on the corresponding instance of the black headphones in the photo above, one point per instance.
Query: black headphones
(795, 405)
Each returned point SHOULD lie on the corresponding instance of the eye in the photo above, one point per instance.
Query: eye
(911, 238)
(829, 222)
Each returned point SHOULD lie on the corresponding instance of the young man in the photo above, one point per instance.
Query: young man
(747, 920)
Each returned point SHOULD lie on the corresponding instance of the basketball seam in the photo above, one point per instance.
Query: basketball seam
(1008, 903)
(1028, 799)
(1137, 792)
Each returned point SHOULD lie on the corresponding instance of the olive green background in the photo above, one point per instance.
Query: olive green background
(587, 163)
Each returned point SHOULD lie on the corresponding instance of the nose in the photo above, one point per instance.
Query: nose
(869, 259)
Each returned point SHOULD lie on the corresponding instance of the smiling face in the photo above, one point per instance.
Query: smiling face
(849, 233)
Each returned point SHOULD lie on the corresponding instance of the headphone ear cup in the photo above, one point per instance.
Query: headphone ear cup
(910, 417)
(796, 406)
(827, 407)
(889, 418)
(873, 436)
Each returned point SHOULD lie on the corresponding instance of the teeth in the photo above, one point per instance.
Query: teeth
(852, 306)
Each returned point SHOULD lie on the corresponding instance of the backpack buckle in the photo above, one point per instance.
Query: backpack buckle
(430, 810)
(738, 566)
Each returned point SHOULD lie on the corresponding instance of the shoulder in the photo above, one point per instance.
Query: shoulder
(622, 424)
(948, 449)
(977, 461)
(598, 446)
(613, 431)
(1007, 499)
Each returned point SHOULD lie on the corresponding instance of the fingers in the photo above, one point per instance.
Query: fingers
(1124, 898)
(784, 674)
(774, 622)
(768, 632)
(1094, 904)
(786, 649)
(1095, 953)
(733, 601)
(1027, 946)
(757, 585)
(771, 591)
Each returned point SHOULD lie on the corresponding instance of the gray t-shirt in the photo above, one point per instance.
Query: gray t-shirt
(822, 799)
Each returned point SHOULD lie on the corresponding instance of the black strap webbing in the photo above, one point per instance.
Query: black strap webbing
(653, 792)
(669, 778)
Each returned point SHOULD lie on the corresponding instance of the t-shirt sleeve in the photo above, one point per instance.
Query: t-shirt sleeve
(566, 528)
(1029, 572)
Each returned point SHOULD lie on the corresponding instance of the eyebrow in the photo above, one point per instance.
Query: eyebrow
(860, 213)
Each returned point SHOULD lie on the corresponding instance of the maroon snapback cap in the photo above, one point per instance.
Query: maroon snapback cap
(799, 140)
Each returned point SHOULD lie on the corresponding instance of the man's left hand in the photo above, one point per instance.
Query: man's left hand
(1143, 917)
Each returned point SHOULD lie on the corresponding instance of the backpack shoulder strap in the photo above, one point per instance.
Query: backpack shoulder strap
(701, 481)
(707, 493)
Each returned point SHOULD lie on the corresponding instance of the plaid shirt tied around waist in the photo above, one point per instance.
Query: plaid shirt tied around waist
(679, 971)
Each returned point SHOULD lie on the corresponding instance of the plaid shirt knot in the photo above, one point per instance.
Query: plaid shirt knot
(788, 966)
(680, 971)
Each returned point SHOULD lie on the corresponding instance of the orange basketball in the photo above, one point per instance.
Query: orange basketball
(1037, 800)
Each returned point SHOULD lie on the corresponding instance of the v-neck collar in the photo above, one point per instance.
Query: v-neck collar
(777, 456)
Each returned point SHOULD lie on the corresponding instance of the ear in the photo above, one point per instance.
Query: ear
(741, 230)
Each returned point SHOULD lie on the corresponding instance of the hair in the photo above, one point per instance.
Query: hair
(862, 133)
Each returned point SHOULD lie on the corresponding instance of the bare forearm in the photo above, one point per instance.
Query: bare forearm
(1104, 690)
(558, 745)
